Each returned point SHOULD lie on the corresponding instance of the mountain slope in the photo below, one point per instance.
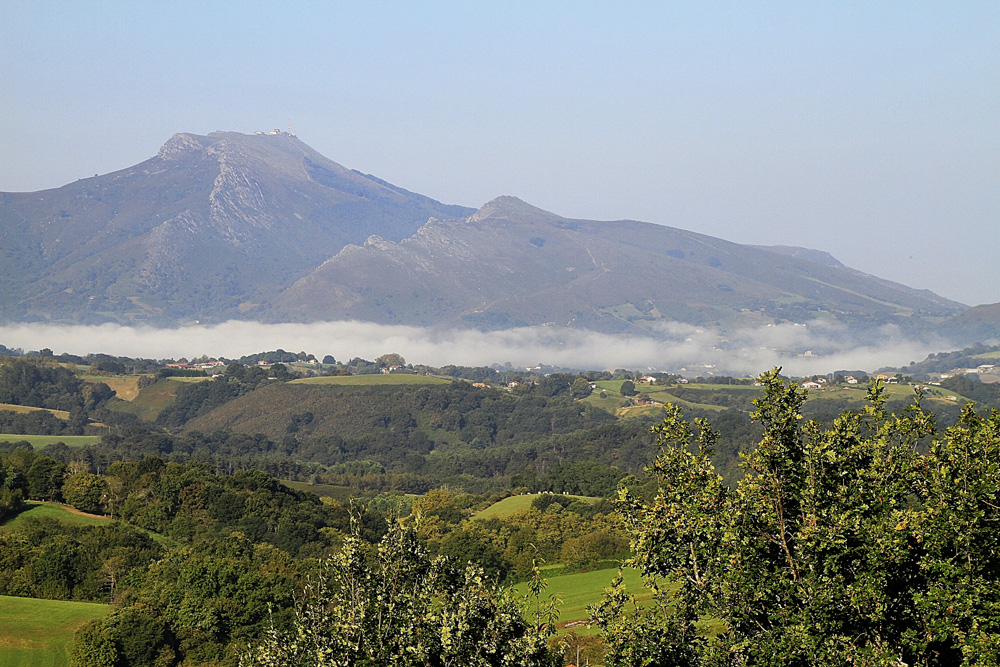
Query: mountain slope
(200, 231)
(512, 264)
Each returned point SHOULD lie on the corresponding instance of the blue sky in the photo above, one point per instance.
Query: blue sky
(870, 130)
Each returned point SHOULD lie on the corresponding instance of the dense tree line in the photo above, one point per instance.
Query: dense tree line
(42, 422)
(44, 558)
(48, 385)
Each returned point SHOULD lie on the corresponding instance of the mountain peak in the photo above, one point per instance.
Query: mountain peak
(507, 206)
(180, 144)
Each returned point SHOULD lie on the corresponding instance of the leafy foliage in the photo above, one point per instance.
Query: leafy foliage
(398, 606)
(850, 544)
(47, 385)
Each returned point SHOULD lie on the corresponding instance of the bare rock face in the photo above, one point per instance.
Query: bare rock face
(179, 145)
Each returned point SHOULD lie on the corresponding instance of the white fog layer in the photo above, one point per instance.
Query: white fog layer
(799, 349)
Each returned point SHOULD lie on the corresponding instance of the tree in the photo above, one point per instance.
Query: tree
(627, 388)
(580, 388)
(85, 492)
(45, 478)
(397, 606)
(840, 545)
(128, 636)
(390, 360)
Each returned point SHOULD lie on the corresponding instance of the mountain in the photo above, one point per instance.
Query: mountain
(201, 231)
(263, 227)
(511, 264)
(977, 324)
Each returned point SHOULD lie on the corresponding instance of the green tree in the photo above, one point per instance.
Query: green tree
(397, 606)
(580, 388)
(45, 478)
(845, 545)
(628, 388)
(85, 492)
(128, 636)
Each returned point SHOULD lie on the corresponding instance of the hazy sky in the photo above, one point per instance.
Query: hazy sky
(870, 129)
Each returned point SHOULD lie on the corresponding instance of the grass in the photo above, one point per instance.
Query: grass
(38, 441)
(372, 380)
(55, 511)
(512, 504)
(126, 387)
(152, 400)
(66, 515)
(576, 592)
(23, 409)
(39, 633)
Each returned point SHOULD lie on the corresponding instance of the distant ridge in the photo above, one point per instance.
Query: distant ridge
(512, 264)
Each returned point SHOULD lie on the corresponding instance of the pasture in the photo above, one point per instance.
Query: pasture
(512, 504)
(24, 409)
(126, 387)
(39, 441)
(39, 633)
(61, 513)
(577, 592)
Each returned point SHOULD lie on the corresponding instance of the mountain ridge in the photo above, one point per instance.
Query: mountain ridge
(449, 281)
(263, 227)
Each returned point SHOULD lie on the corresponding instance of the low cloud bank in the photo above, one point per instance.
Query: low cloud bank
(816, 348)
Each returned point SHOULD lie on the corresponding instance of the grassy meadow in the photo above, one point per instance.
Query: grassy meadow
(24, 409)
(511, 504)
(39, 633)
(61, 513)
(39, 441)
(126, 387)
(152, 400)
(577, 592)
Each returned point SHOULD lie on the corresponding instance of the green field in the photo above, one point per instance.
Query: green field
(576, 592)
(39, 441)
(372, 380)
(39, 633)
(151, 400)
(512, 504)
(55, 511)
